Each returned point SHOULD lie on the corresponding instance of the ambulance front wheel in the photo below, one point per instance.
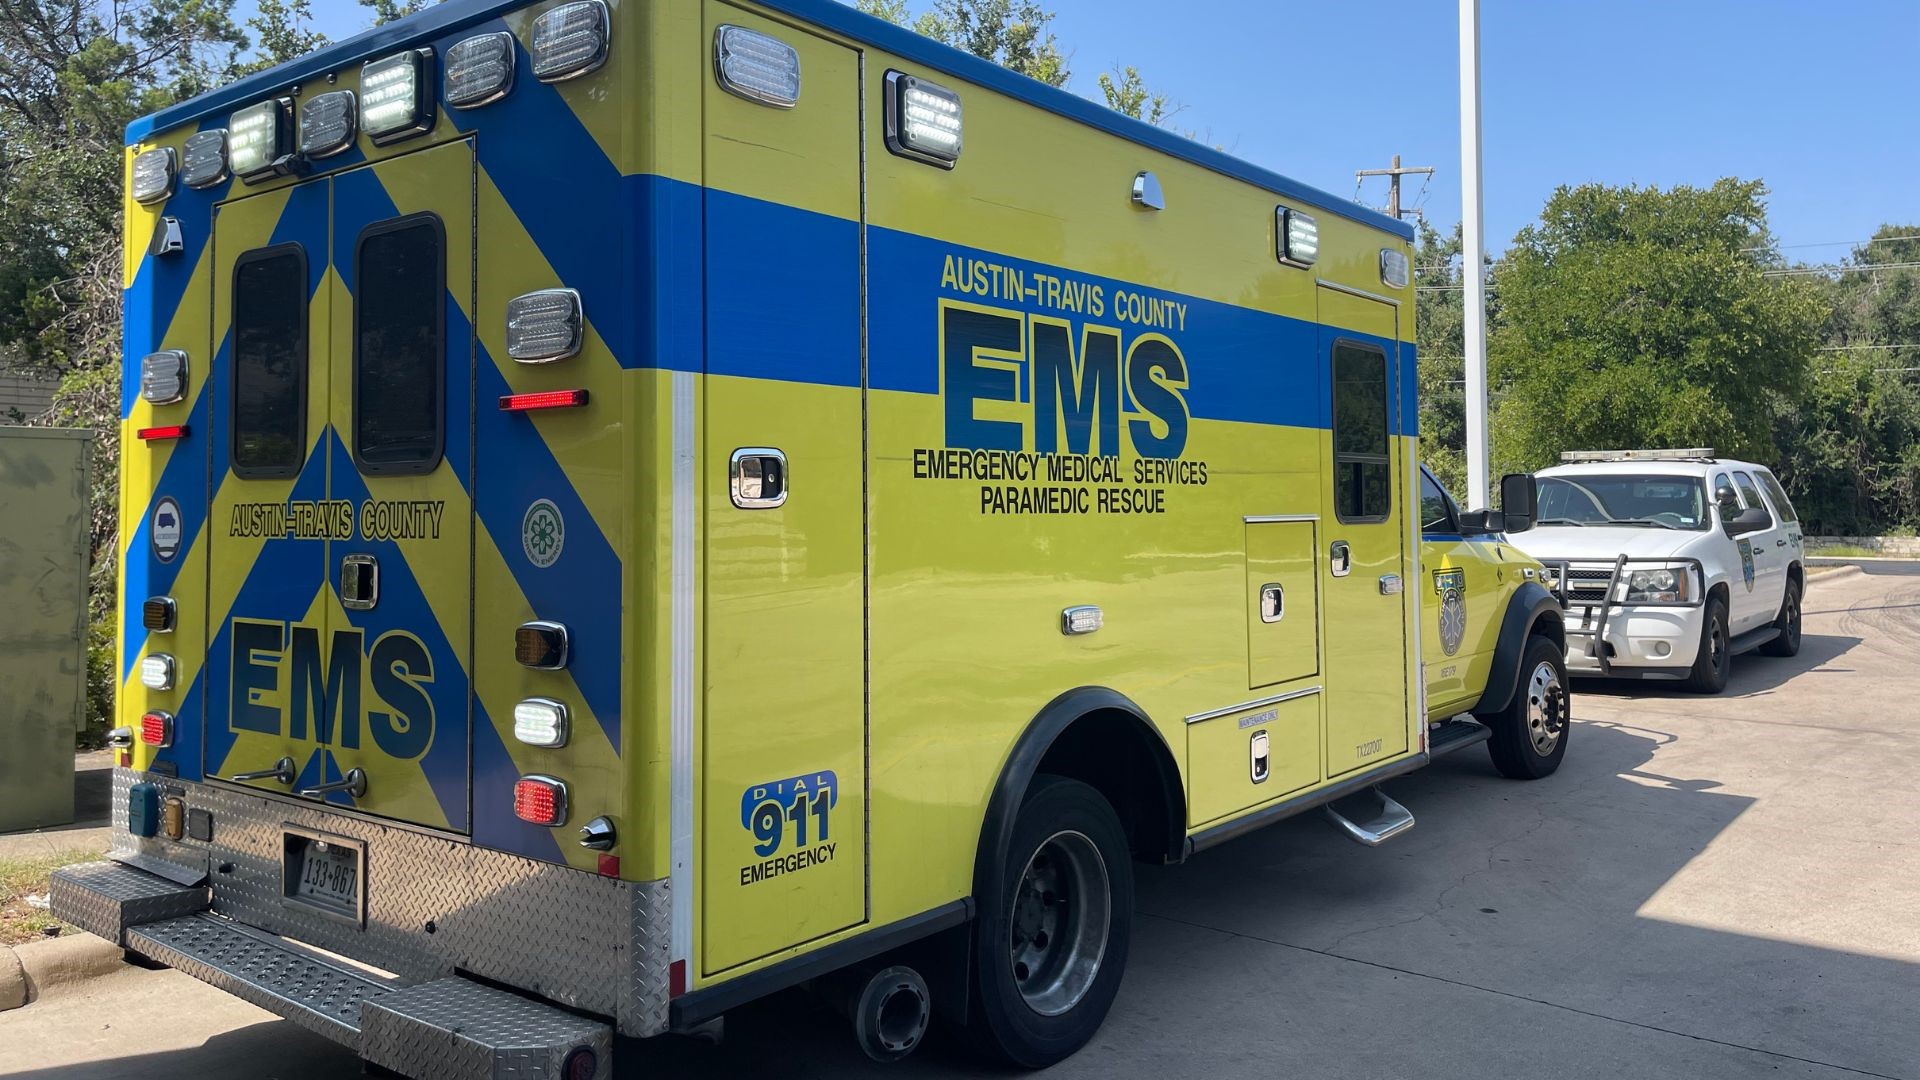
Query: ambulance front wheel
(1050, 943)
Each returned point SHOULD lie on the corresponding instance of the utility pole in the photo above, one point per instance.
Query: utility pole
(1473, 256)
(1393, 176)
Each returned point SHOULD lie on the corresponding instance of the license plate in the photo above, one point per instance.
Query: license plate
(326, 873)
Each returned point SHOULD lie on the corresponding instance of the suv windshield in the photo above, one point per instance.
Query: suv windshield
(1671, 502)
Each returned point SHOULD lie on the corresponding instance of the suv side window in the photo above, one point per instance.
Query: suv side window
(1436, 510)
(1724, 497)
(1778, 495)
(1749, 492)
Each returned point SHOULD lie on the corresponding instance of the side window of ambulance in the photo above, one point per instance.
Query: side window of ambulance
(1778, 495)
(399, 346)
(1362, 465)
(270, 363)
(1436, 511)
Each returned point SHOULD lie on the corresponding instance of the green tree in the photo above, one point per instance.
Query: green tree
(283, 30)
(1642, 317)
(1851, 448)
(1440, 333)
(1011, 33)
(385, 11)
(1126, 92)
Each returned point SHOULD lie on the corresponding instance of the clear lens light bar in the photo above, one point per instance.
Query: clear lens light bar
(540, 722)
(204, 158)
(152, 174)
(326, 124)
(479, 70)
(1299, 237)
(156, 672)
(545, 326)
(163, 377)
(393, 98)
(923, 120)
(569, 41)
(756, 66)
(258, 136)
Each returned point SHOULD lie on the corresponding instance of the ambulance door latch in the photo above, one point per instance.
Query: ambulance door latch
(759, 478)
(359, 582)
(1340, 558)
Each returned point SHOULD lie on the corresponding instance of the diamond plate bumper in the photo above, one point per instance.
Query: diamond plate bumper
(455, 1029)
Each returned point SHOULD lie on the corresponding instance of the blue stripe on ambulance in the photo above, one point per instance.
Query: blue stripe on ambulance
(182, 479)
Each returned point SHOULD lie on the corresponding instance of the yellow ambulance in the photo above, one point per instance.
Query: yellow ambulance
(633, 505)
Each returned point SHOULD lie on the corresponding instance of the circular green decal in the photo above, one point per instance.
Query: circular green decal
(543, 533)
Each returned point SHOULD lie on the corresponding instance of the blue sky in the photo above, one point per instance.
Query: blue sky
(1817, 98)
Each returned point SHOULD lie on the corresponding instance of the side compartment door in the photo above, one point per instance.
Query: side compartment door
(782, 810)
(269, 515)
(1366, 534)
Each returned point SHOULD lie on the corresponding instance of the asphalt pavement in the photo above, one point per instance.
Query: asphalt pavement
(1709, 888)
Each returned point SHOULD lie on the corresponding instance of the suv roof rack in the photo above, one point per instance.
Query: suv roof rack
(1698, 453)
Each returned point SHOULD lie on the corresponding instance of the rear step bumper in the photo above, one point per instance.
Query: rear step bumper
(441, 1029)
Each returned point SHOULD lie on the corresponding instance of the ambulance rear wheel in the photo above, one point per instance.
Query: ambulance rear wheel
(1050, 943)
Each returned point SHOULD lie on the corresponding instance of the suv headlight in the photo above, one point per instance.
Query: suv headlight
(1667, 586)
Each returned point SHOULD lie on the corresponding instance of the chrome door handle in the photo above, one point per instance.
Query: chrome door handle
(282, 771)
(1340, 558)
(354, 784)
(757, 478)
(359, 582)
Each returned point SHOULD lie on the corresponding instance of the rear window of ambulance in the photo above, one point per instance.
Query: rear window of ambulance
(399, 347)
(270, 363)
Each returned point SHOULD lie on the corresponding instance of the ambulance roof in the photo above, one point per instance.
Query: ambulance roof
(455, 15)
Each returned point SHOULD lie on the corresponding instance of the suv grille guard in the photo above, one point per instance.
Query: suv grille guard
(1561, 581)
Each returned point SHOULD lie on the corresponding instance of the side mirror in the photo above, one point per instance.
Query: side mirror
(1519, 501)
(1752, 519)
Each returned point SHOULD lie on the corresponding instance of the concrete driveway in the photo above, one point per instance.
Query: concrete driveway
(1711, 887)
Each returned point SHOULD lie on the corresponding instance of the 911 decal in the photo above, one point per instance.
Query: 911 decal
(795, 813)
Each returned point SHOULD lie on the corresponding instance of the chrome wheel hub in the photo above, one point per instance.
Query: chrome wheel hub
(1546, 709)
(1058, 934)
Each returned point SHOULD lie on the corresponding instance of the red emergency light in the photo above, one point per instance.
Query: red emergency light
(540, 800)
(162, 434)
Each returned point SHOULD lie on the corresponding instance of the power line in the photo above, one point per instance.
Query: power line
(1840, 243)
(1839, 268)
(1393, 176)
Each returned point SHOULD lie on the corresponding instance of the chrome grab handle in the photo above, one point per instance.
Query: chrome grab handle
(354, 784)
(282, 771)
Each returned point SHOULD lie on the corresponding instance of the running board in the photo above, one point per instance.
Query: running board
(1456, 734)
(1383, 819)
(1752, 640)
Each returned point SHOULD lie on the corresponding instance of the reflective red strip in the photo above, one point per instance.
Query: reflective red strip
(171, 431)
(547, 399)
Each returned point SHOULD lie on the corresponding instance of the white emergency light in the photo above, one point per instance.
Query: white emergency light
(1298, 235)
(156, 672)
(204, 158)
(394, 103)
(152, 174)
(258, 136)
(545, 326)
(923, 120)
(540, 722)
(479, 70)
(163, 377)
(1395, 268)
(756, 66)
(569, 41)
(326, 124)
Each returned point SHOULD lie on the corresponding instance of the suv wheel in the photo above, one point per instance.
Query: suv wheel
(1709, 675)
(1788, 643)
(1530, 734)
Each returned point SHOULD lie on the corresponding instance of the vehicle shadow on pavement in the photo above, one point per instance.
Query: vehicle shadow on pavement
(1753, 673)
(1575, 926)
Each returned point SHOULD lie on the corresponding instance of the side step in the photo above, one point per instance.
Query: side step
(446, 1029)
(1752, 640)
(1370, 817)
(1456, 734)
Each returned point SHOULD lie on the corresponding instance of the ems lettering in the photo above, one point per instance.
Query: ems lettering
(1015, 381)
(288, 682)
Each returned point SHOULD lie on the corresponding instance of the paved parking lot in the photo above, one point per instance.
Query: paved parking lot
(1711, 887)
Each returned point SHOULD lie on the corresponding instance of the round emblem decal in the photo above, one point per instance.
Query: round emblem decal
(166, 530)
(543, 532)
(1453, 621)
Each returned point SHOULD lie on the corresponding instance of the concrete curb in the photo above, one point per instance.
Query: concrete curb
(1833, 571)
(29, 971)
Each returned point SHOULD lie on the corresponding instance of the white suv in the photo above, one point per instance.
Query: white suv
(1670, 562)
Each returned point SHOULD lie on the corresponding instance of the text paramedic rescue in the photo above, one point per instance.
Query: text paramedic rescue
(1002, 470)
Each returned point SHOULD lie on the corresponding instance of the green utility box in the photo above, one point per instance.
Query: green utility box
(43, 620)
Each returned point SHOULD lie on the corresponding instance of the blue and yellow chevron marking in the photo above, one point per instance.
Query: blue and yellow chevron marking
(863, 657)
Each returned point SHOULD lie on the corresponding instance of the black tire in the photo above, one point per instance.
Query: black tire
(1710, 665)
(1061, 824)
(1530, 735)
(1788, 623)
